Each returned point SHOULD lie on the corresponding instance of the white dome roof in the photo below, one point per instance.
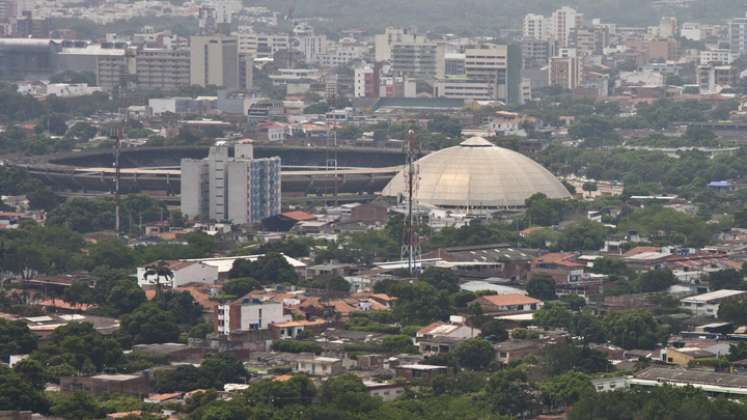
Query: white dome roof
(478, 174)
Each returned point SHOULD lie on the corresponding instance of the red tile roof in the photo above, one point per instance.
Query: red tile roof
(510, 299)
(298, 215)
(565, 259)
(640, 250)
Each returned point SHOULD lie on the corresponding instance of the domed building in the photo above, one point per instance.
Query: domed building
(476, 174)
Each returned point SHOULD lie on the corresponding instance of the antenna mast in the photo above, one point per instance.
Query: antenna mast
(410, 244)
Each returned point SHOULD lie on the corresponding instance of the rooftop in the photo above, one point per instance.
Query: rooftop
(716, 295)
(510, 299)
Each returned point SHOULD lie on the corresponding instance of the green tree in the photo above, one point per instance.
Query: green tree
(267, 269)
(32, 372)
(18, 394)
(419, 303)
(733, 311)
(726, 279)
(441, 279)
(150, 324)
(297, 390)
(79, 405)
(655, 280)
(542, 287)
(240, 286)
(15, 338)
(584, 235)
(566, 389)
(563, 357)
(474, 353)
(347, 393)
(508, 392)
(633, 328)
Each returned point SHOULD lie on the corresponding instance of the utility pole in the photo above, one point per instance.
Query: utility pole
(410, 244)
(117, 144)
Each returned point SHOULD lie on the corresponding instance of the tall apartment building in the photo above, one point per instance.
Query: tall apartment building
(366, 82)
(115, 70)
(738, 35)
(536, 27)
(383, 43)
(488, 63)
(161, 68)
(535, 52)
(240, 190)
(419, 60)
(562, 22)
(565, 70)
(214, 60)
(7, 10)
(584, 40)
(261, 45)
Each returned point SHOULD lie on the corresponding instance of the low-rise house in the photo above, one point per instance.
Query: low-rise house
(420, 372)
(319, 366)
(684, 355)
(292, 329)
(512, 303)
(558, 265)
(483, 261)
(708, 304)
(182, 272)
(384, 390)
(131, 384)
(713, 383)
(508, 351)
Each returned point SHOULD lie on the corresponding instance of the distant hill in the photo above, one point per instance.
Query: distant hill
(485, 16)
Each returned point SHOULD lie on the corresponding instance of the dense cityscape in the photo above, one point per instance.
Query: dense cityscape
(227, 209)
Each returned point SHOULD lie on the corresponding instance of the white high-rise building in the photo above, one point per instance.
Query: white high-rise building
(241, 190)
(214, 60)
(738, 35)
(536, 27)
(561, 23)
(383, 42)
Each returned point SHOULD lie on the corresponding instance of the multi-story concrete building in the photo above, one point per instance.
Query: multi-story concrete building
(454, 64)
(383, 43)
(240, 189)
(250, 313)
(717, 57)
(562, 22)
(366, 82)
(536, 53)
(419, 60)
(565, 70)
(536, 27)
(584, 40)
(713, 78)
(214, 60)
(457, 87)
(261, 45)
(161, 68)
(738, 35)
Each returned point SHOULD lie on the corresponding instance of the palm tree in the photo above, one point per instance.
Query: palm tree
(162, 273)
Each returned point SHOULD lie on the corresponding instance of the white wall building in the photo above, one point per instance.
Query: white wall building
(239, 189)
(249, 314)
(708, 304)
(184, 272)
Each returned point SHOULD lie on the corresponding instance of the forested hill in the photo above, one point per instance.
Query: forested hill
(487, 15)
